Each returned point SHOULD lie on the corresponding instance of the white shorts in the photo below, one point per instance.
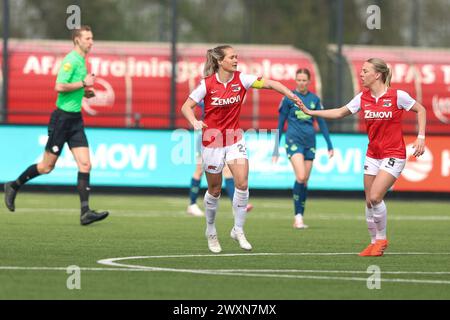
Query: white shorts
(394, 166)
(214, 158)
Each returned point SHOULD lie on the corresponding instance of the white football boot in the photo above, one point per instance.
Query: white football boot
(194, 210)
(239, 236)
(298, 222)
(213, 243)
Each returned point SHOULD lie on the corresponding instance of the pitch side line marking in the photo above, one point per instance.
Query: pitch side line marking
(133, 268)
(149, 213)
(246, 272)
(255, 273)
(222, 270)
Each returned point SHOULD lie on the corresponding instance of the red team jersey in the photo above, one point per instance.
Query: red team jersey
(383, 121)
(222, 108)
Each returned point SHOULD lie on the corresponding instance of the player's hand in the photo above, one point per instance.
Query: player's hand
(275, 159)
(89, 93)
(199, 125)
(330, 153)
(296, 99)
(302, 107)
(89, 80)
(419, 147)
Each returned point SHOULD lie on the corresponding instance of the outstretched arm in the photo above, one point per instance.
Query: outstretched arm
(279, 87)
(336, 113)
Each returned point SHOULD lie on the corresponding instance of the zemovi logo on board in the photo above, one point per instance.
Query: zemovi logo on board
(115, 156)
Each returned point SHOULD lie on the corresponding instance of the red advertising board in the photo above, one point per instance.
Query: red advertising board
(429, 172)
(423, 73)
(133, 81)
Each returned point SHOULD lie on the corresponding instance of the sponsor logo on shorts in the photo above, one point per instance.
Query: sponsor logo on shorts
(212, 168)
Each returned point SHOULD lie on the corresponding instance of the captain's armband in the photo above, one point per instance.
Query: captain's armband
(258, 84)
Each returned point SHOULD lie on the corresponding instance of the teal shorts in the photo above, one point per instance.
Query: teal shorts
(293, 148)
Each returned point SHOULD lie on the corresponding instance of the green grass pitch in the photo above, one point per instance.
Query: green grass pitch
(43, 237)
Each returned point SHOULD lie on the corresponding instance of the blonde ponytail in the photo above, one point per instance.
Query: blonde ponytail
(381, 67)
(387, 82)
(213, 56)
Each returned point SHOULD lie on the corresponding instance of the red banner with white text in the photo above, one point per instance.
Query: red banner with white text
(429, 172)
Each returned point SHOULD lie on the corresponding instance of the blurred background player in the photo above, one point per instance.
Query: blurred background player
(66, 125)
(193, 209)
(300, 140)
(386, 154)
(223, 90)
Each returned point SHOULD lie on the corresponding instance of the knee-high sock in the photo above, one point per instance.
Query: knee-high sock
(379, 217)
(194, 190)
(371, 226)
(211, 205)
(303, 196)
(83, 190)
(30, 173)
(298, 195)
(229, 186)
(240, 201)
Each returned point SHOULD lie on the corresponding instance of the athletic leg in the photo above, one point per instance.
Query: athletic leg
(211, 202)
(298, 164)
(239, 169)
(82, 158)
(11, 188)
(194, 191)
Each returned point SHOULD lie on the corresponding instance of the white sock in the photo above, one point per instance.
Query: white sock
(379, 217)
(371, 226)
(240, 201)
(211, 205)
(299, 217)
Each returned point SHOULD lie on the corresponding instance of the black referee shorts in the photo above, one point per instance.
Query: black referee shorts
(65, 127)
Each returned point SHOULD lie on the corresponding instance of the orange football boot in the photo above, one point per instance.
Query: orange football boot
(379, 247)
(367, 252)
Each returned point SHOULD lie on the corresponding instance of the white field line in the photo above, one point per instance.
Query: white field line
(145, 268)
(264, 272)
(270, 273)
(150, 213)
(250, 273)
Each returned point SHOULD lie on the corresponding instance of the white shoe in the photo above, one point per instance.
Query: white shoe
(213, 243)
(298, 224)
(240, 237)
(194, 210)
